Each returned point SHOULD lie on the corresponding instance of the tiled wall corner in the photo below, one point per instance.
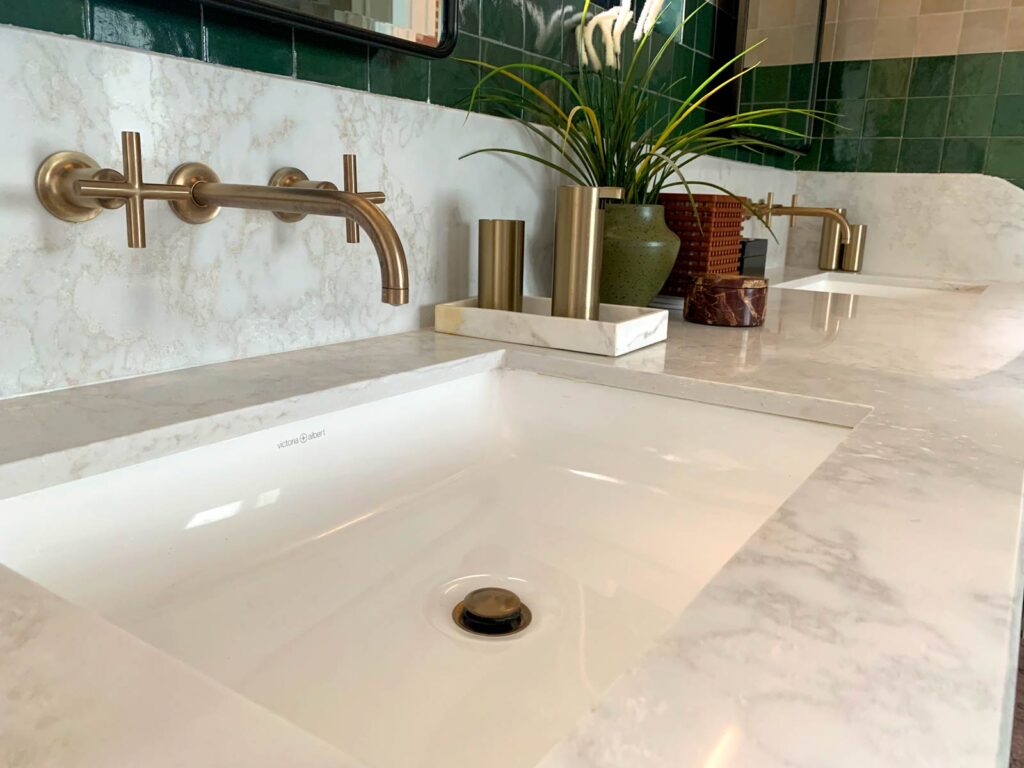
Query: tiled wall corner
(948, 114)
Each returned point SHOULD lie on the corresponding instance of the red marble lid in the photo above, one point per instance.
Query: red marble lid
(730, 281)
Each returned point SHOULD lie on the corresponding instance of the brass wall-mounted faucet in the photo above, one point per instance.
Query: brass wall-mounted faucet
(767, 208)
(74, 187)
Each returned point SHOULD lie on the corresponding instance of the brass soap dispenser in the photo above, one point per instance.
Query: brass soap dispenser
(579, 234)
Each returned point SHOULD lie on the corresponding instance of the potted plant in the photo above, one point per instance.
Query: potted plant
(598, 119)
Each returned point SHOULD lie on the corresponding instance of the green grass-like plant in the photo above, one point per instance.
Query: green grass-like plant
(595, 119)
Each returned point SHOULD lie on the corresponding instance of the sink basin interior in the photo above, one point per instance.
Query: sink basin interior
(314, 567)
(883, 286)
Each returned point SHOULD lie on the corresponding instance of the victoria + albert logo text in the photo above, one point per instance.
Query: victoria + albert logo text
(305, 437)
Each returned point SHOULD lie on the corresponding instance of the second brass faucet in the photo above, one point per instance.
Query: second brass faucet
(767, 208)
(73, 187)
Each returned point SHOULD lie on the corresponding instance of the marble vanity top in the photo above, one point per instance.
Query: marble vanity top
(872, 621)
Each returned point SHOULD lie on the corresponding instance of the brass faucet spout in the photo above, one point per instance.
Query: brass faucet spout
(823, 213)
(394, 270)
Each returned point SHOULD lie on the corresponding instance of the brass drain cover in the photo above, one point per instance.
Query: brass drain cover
(492, 611)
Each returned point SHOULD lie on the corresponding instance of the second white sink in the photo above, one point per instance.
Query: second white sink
(880, 285)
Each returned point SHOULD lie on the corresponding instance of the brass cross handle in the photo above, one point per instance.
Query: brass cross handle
(293, 177)
(73, 187)
(130, 188)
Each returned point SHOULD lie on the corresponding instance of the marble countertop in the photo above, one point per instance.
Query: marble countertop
(872, 621)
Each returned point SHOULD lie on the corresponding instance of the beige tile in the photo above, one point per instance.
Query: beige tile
(977, 5)
(1017, 3)
(1015, 30)
(807, 12)
(776, 13)
(895, 38)
(858, 9)
(828, 42)
(777, 48)
(899, 8)
(854, 39)
(938, 34)
(831, 10)
(984, 31)
(805, 40)
(941, 6)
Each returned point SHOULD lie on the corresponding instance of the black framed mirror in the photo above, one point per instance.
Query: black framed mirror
(423, 27)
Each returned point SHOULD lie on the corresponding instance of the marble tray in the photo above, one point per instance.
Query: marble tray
(617, 331)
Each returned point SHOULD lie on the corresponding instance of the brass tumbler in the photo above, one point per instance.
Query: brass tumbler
(500, 273)
(579, 239)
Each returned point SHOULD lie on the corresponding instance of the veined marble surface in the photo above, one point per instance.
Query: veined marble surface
(78, 306)
(617, 330)
(872, 621)
(957, 226)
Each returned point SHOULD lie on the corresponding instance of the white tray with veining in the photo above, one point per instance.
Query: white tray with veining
(617, 330)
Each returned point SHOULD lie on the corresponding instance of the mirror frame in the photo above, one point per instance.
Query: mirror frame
(449, 27)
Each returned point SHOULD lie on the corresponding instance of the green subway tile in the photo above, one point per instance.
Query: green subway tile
(330, 60)
(920, 155)
(771, 83)
(66, 17)
(926, 118)
(704, 35)
(932, 76)
(661, 77)
(888, 78)
(1011, 74)
(848, 114)
(682, 75)
(971, 115)
(977, 74)
(884, 117)
(1017, 182)
(236, 40)
(152, 25)
(469, 17)
(848, 79)
(1009, 117)
(1005, 158)
(498, 56)
(809, 161)
(690, 28)
(451, 80)
(502, 20)
(797, 122)
(398, 74)
(542, 34)
(964, 155)
(702, 69)
(878, 155)
(839, 154)
(800, 83)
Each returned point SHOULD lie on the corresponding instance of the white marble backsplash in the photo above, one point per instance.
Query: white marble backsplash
(77, 306)
(950, 226)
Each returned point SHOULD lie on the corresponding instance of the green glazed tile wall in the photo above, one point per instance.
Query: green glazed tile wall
(498, 31)
(938, 114)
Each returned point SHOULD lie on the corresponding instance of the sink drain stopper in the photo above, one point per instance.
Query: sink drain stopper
(492, 611)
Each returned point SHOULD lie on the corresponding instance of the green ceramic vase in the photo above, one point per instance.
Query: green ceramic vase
(639, 253)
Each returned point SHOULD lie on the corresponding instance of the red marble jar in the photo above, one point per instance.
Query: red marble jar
(732, 300)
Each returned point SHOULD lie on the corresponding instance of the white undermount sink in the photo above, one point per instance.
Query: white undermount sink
(879, 285)
(313, 568)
